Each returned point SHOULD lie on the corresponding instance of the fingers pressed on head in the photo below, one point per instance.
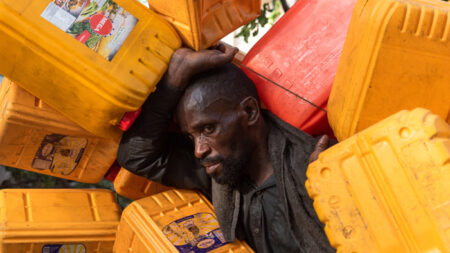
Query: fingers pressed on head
(220, 46)
(323, 142)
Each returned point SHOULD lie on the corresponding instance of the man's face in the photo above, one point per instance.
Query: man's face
(220, 139)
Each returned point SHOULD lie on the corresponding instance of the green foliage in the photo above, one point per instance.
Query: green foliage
(267, 16)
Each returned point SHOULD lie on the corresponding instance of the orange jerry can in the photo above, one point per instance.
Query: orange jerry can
(91, 60)
(173, 221)
(395, 58)
(135, 187)
(35, 137)
(386, 189)
(57, 220)
(201, 23)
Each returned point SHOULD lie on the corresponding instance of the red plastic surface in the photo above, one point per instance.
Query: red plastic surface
(301, 53)
(112, 172)
(128, 119)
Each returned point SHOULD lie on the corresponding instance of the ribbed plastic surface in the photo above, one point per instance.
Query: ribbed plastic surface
(37, 138)
(201, 23)
(301, 53)
(386, 189)
(132, 186)
(172, 221)
(57, 220)
(93, 80)
(395, 57)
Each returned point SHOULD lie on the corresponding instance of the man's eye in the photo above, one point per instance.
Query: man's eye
(208, 129)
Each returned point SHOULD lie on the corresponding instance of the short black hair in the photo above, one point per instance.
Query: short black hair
(227, 81)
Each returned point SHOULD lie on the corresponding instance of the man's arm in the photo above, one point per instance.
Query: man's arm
(147, 149)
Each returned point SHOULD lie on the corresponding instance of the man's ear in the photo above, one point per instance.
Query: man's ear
(250, 107)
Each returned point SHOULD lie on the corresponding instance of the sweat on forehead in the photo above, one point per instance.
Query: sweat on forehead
(227, 82)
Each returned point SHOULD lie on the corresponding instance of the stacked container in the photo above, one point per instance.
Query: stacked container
(135, 187)
(172, 221)
(56, 220)
(35, 137)
(395, 57)
(300, 53)
(201, 23)
(90, 60)
(386, 189)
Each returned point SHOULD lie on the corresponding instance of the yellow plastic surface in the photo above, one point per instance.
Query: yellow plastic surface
(78, 82)
(33, 219)
(158, 222)
(133, 186)
(395, 57)
(35, 137)
(201, 23)
(387, 189)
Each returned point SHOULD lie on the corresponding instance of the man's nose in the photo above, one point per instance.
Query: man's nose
(202, 148)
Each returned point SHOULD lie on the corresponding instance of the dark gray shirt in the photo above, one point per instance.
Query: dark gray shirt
(261, 218)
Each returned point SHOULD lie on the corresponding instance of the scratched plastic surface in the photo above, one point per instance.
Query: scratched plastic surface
(395, 58)
(172, 221)
(92, 63)
(386, 189)
(35, 137)
(135, 187)
(301, 52)
(201, 23)
(57, 220)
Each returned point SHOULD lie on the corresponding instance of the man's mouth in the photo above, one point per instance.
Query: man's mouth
(211, 169)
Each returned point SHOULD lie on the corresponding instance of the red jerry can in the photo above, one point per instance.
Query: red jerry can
(301, 53)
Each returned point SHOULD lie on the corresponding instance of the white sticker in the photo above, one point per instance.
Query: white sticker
(102, 25)
(57, 16)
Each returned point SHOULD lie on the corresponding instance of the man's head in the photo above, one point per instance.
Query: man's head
(220, 112)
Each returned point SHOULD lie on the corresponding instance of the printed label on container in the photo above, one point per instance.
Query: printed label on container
(60, 154)
(64, 248)
(195, 233)
(101, 25)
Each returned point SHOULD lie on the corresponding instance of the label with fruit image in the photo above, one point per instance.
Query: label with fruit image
(101, 25)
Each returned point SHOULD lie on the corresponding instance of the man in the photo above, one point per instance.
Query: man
(257, 162)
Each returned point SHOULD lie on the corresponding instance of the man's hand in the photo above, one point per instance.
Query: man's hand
(186, 62)
(321, 145)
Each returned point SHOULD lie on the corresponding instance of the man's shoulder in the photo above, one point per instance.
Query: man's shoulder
(287, 129)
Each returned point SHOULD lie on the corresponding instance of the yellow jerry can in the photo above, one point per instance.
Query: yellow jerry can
(201, 23)
(92, 60)
(57, 220)
(35, 137)
(135, 187)
(386, 189)
(172, 221)
(395, 57)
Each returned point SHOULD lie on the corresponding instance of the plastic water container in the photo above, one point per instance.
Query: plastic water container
(395, 57)
(386, 189)
(301, 53)
(173, 221)
(201, 23)
(135, 187)
(37, 138)
(57, 220)
(92, 60)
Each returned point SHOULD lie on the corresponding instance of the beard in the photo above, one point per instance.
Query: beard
(232, 169)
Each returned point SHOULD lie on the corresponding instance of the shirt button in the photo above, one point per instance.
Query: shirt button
(256, 230)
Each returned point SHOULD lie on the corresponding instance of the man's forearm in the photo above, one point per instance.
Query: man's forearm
(147, 139)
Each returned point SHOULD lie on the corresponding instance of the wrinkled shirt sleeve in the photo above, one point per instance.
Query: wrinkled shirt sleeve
(148, 149)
